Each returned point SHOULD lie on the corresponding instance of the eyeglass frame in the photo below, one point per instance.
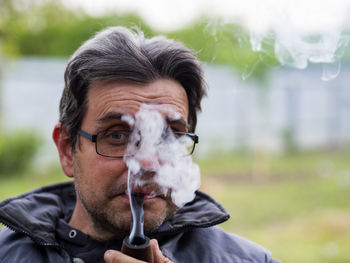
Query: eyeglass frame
(93, 138)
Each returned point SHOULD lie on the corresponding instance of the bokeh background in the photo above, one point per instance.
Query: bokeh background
(275, 127)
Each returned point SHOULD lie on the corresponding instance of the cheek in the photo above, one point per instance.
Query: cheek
(115, 167)
(99, 170)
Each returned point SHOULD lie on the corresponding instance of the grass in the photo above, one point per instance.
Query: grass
(294, 205)
(12, 185)
(297, 221)
(297, 206)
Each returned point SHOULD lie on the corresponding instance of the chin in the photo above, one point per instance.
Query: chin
(156, 215)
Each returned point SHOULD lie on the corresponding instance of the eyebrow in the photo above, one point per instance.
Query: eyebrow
(110, 116)
(180, 122)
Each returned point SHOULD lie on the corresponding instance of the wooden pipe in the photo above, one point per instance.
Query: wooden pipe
(141, 252)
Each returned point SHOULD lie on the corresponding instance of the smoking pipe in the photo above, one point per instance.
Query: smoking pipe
(137, 245)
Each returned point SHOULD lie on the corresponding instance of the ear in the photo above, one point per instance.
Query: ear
(61, 138)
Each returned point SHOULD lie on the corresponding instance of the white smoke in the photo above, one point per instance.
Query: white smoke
(297, 46)
(153, 147)
(295, 32)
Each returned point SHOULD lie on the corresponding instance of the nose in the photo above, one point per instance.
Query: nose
(149, 161)
(147, 157)
(149, 165)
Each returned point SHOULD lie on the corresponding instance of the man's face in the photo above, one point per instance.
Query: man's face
(101, 182)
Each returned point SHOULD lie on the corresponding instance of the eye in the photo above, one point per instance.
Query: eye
(115, 137)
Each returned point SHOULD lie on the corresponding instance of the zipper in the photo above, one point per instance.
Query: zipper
(36, 240)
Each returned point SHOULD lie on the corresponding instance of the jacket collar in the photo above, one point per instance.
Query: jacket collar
(36, 213)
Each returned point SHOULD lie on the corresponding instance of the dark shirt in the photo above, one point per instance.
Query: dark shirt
(81, 246)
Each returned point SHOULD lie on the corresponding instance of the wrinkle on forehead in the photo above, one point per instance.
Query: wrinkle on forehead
(126, 98)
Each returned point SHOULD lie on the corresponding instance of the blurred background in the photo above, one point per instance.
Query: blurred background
(275, 128)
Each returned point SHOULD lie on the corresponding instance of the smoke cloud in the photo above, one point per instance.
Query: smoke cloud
(295, 47)
(297, 32)
(158, 158)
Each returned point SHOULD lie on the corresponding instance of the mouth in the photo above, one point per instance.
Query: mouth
(147, 194)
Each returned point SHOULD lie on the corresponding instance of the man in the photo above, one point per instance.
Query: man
(109, 77)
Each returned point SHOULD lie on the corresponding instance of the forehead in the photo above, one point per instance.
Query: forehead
(113, 98)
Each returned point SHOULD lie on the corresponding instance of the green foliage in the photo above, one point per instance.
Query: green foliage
(222, 43)
(17, 150)
(48, 28)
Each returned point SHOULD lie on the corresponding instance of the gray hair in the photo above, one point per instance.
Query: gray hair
(117, 53)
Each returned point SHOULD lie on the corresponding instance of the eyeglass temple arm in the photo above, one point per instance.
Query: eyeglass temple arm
(91, 137)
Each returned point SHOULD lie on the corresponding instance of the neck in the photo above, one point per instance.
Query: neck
(82, 221)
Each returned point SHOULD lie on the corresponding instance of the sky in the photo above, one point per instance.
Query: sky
(256, 14)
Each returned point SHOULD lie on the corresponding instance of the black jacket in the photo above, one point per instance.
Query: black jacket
(190, 236)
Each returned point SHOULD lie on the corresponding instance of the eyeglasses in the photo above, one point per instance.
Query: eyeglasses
(113, 143)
